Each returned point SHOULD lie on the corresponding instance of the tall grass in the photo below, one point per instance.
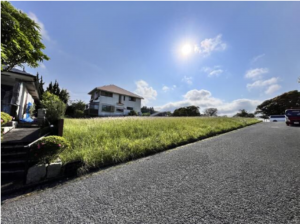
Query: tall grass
(101, 141)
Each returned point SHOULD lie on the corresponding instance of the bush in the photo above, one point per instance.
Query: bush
(47, 149)
(132, 113)
(5, 118)
(55, 107)
(79, 113)
(187, 111)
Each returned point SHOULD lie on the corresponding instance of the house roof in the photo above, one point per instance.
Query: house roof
(18, 71)
(29, 80)
(116, 89)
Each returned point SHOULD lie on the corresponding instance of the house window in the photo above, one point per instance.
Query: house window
(124, 98)
(120, 98)
(132, 98)
(129, 108)
(108, 108)
(94, 106)
(120, 110)
(96, 95)
(108, 94)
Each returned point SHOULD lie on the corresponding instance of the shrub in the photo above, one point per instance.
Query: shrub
(79, 113)
(5, 118)
(187, 111)
(132, 113)
(55, 107)
(48, 148)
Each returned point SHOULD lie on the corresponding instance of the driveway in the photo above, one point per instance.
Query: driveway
(251, 175)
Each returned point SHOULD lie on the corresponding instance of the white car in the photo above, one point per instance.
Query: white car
(275, 118)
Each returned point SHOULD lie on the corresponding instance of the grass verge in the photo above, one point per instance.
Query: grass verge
(100, 142)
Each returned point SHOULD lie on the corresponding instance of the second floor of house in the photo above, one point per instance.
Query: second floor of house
(114, 95)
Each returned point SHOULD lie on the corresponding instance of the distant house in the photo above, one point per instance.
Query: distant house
(18, 88)
(112, 100)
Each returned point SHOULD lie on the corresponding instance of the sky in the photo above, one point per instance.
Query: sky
(226, 55)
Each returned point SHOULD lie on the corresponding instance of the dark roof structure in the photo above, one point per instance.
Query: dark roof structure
(18, 71)
(116, 89)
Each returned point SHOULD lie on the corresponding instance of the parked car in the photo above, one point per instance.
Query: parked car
(292, 116)
(275, 118)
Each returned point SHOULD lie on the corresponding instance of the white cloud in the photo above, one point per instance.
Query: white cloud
(146, 91)
(42, 65)
(273, 88)
(256, 58)
(166, 88)
(209, 45)
(187, 80)
(204, 99)
(262, 83)
(215, 71)
(256, 73)
(42, 30)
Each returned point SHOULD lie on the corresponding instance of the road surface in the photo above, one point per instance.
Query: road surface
(251, 175)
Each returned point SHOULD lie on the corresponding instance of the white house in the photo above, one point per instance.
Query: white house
(112, 100)
(18, 88)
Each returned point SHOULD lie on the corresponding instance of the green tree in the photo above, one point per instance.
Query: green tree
(76, 109)
(146, 110)
(55, 107)
(62, 94)
(278, 105)
(211, 112)
(187, 111)
(244, 113)
(41, 85)
(20, 39)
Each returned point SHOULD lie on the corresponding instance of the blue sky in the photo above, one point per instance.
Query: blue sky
(228, 55)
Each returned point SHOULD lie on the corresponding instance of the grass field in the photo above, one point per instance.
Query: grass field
(99, 142)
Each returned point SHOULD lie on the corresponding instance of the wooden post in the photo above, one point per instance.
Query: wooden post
(60, 127)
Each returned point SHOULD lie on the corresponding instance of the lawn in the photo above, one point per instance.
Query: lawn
(102, 141)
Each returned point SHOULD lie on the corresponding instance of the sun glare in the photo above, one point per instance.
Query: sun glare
(186, 49)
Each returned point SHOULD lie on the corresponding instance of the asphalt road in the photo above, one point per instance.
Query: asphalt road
(251, 175)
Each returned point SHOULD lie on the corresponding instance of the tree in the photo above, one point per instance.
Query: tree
(244, 113)
(55, 107)
(146, 110)
(187, 111)
(62, 94)
(41, 85)
(20, 39)
(278, 105)
(76, 109)
(211, 112)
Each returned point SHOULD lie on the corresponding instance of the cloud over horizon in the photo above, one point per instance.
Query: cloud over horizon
(204, 99)
(257, 76)
(147, 92)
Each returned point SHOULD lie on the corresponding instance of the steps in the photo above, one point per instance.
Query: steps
(13, 165)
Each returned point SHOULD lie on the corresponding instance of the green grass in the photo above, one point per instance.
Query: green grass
(99, 142)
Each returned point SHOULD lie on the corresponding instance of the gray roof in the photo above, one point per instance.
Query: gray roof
(116, 89)
(18, 71)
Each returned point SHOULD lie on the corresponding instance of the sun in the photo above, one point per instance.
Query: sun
(186, 49)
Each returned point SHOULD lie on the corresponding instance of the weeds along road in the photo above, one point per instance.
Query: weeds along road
(251, 175)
